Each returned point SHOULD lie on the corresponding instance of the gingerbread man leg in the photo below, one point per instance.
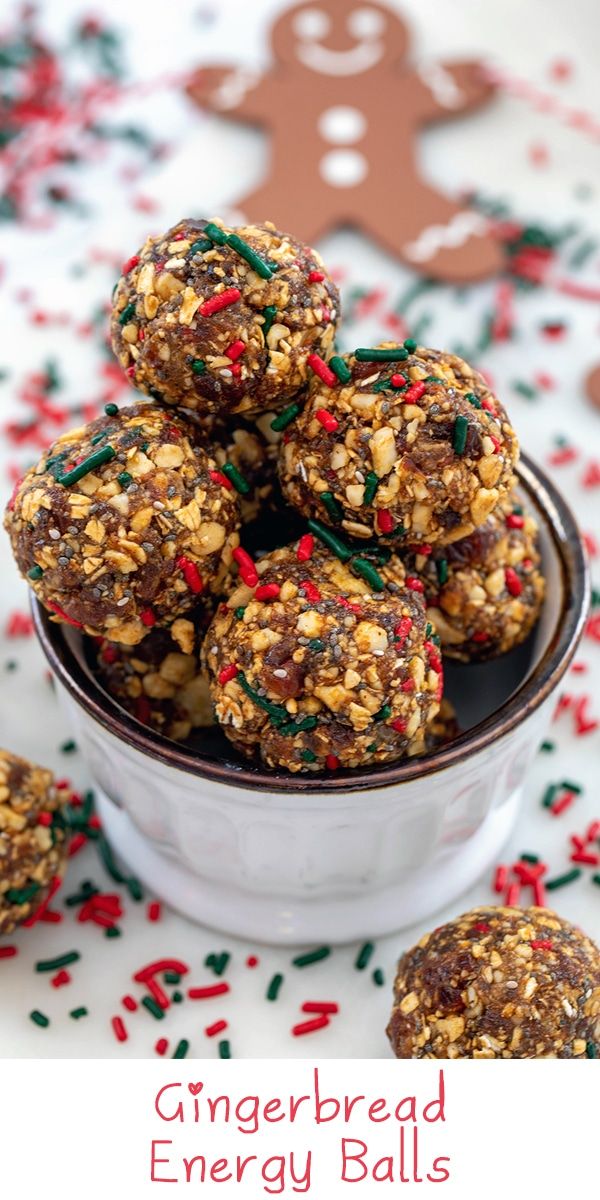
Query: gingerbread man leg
(438, 237)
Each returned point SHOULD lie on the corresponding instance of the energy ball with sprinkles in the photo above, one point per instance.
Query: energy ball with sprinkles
(399, 442)
(323, 658)
(33, 841)
(499, 983)
(124, 523)
(160, 682)
(484, 593)
(223, 320)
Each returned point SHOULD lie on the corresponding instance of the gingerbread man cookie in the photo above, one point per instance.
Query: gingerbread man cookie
(344, 109)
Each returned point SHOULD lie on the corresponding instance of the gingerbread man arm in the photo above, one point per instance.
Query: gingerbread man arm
(238, 91)
(443, 89)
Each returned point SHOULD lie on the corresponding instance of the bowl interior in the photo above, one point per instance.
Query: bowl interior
(488, 697)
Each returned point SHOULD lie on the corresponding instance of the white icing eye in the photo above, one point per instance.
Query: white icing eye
(311, 24)
(365, 23)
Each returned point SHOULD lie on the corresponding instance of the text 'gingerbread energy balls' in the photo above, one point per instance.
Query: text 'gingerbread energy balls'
(124, 523)
(33, 841)
(160, 681)
(223, 320)
(399, 442)
(484, 593)
(499, 983)
(319, 663)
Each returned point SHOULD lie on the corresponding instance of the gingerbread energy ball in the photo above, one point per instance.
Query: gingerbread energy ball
(320, 663)
(123, 523)
(484, 593)
(499, 983)
(399, 441)
(223, 320)
(160, 682)
(33, 844)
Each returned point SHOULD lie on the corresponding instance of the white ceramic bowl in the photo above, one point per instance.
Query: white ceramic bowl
(284, 858)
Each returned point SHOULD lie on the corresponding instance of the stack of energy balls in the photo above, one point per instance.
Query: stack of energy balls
(403, 539)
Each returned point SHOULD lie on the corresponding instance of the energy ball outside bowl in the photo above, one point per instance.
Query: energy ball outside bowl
(160, 682)
(399, 442)
(223, 320)
(314, 666)
(33, 841)
(124, 523)
(484, 593)
(499, 983)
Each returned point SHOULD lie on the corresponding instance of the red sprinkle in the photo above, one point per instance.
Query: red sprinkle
(217, 477)
(228, 673)
(561, 805)
(515, 521)
(513, 583)
(235, 350)
(306, 546)
(129, 1003)
(207, 993)
(408, 685)
(218, 1027)
(397, 381)
(191, 574)
(327, 420)
(60, 979)
(148, 618)
(161, 1046)
(403, 629)
(310, 1026)
(512, 895)
(482, 927)
(541, 944)
(130, 264)
(332, 762)
(219, 302)
(385, 520)
(414, 583)
(63, 615)
(413, 394)
(44, 818)
(316, 276)
(247, 568)
(500, 879)
(8, 951)
(119, 1029)
(399, 725)
(320, 1006)
(321, 369)
(593, 832)
(267, 591)
(252, 961)
(311, 591)
(154, 911)
(586, 859)
(158, 967)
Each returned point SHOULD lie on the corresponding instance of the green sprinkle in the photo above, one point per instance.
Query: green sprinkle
(384, 712)
(239, 611)
(240, 484)
(371, 485)
(572, 787)
(291, 728)
(108, 859)
(124, 479)
(68, 747)
(134, 888)
(549, 795)
(307, 756)
(547, 747)
(330, 540)
(177, 997)
(224, 1049)
(436, 379)
(340, 368)
(39, 1018)
(369, 573)
(410, 345)
(215, 233)
(524, 389)
(459, 438)
(274, 987)
(313, 956)
(56, 964)
(35, 572)
(22, 895)
(85, 893)
(269, 313)
(382, 385)
(591, 1050)
(596, 880)
(181, 1049)
(441, 567)
(217, 962)
(198, 366)
(128, 312)
(112, 931)
(150, 1003)
(98, 438)
(395, 354)
(364, 956)
(245, 251)
(333, 507)
(278, 713)
(77, 1013)
(172, 977)
(285, 418)
(372, 748)
(562, 880)
(200, 246)
(378, 977)
(97, 459)
(316, 644)
(473, 399)
(529, 858)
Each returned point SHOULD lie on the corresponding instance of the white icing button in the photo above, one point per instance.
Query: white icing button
(344, 168)
(342, 124)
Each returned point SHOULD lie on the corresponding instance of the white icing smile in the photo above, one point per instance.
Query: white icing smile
(318, 58)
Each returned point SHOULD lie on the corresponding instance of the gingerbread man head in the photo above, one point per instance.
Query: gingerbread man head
(339, 38)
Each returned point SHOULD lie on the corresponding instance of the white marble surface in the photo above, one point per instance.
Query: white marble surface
(208, 161)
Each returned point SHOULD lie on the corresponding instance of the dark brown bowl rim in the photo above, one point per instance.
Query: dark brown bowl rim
(529, 696)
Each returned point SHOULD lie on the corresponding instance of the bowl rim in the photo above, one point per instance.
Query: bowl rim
(532, 693)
